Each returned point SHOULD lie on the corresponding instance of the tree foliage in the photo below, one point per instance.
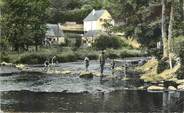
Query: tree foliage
(23, 22)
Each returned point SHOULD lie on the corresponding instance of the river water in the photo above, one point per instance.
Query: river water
(31, 92)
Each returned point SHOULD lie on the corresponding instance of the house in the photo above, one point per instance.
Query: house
(72, 27)
(94, 24)
(54, 34)
(96, 19)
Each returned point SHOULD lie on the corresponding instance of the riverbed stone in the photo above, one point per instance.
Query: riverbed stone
(180, 81)
(172, 88)
(119, 69)
(20, 66)
(155, 88)
(86, 75)
(6, 64)
(66, 72)
(181, 87)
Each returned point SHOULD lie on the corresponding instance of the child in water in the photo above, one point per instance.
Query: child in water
(86, 61)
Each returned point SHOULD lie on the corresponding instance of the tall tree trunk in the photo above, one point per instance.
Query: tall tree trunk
(182, 9)
(170, 33)
(164, 34)
(36, 47)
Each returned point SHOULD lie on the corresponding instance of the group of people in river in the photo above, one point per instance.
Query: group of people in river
(102, 60)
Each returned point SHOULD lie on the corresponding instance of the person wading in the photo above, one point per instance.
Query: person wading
(113, 66)
(102, 63)
(46, 65)
(86, 61)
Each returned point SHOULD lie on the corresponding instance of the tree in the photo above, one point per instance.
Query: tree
(164, 34)
(170, 33)
(138, 19)
(23, 22)
(99, 4)
(108, 26)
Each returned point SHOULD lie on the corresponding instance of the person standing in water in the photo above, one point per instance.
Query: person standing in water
(46, 65)
(86, 61)
(53, 63)
(113, 66)
(102, 63)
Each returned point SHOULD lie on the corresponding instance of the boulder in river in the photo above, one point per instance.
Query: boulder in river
(155, 88)
(86, 75)
(7, 64)
(171, 88)
(66, 72)
(20, 66)
(181, 87)
(180, 82)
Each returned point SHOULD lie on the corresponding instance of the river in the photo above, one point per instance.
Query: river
(31, 92)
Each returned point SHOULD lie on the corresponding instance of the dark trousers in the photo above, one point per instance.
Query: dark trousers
(101, 68)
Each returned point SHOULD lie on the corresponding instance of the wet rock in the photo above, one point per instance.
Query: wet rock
(66, 72)
(141, 87)
(86, 75)
(180, 82)
(97, 74)
(6, 64)
(155, 88)
(20, 66)
(172, 88)
(181, 87)
(162, 85)
(119, 69)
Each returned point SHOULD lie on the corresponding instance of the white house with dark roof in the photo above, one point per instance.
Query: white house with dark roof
(54, 34)
(96, 19)
(94, 24)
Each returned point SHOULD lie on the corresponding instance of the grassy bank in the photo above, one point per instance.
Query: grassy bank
(65, 55)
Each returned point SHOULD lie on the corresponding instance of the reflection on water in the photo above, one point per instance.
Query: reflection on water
(126, 100)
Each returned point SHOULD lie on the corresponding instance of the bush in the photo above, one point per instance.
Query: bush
(155, 52)
(103, 42)
(33, 58)
(66, 57)
(112, 54)
(4, 44)
(162, 65)
(90, 53)
(130, 53)
(181, 55)
(4, 57)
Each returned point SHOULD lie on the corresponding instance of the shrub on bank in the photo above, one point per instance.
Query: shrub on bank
(131, 53)
(162, 66)
(90, 53)
(4, 57)
(66, 57)
(103, 42)
(181, 55)
(33, 58)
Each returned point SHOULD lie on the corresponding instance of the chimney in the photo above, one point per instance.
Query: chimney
(93, 11)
